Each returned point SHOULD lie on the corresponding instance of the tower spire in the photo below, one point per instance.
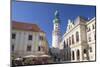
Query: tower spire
(56, 18)
(56, 14)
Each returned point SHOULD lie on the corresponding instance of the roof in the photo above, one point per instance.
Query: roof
(25, 26)
(80, 18)
(93, 19)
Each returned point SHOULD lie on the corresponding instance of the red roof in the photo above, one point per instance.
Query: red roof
(25, 26)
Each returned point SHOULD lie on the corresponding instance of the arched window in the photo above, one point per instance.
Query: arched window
(89, 37)
(73, 58)
(77, 36)
(89, 29)
(64, 44)
(85, 54)
(78, 54)
(69, 40)
(72, 39)
(93, 26)
(90, 49)
(85, 51)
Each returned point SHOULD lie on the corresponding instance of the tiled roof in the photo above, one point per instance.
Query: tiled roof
(25, 26)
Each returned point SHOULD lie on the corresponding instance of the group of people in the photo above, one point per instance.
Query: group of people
(30, 61)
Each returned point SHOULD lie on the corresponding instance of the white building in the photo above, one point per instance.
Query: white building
(27, 39)
(81, 42)
(91, 37)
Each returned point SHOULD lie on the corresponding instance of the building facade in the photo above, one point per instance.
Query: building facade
(91, 38)
(79, 40)
(27, 39)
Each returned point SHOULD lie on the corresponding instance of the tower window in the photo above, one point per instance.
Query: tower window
(30, 37)
(56, 25)
(13, 36)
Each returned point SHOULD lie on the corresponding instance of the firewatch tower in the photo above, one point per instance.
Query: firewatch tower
(56, 34)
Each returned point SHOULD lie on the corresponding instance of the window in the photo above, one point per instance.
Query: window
(94, 36)
(72, 39)
(13, 35)
(89, 38)
(30, 37)
(93, 26)
(77, 36)
(38, 48)
(85, 54)
(56, 27)
(64, 44)
(41, 37)
(78, 55)
(90, 49)
(73, 55)
(69, 40)
(28, 47)
(12, 47)
(88, 29)
(85, 51)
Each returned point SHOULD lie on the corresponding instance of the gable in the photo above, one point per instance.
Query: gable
(70, 25)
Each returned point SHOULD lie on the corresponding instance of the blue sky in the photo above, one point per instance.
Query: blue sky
(42, 14)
